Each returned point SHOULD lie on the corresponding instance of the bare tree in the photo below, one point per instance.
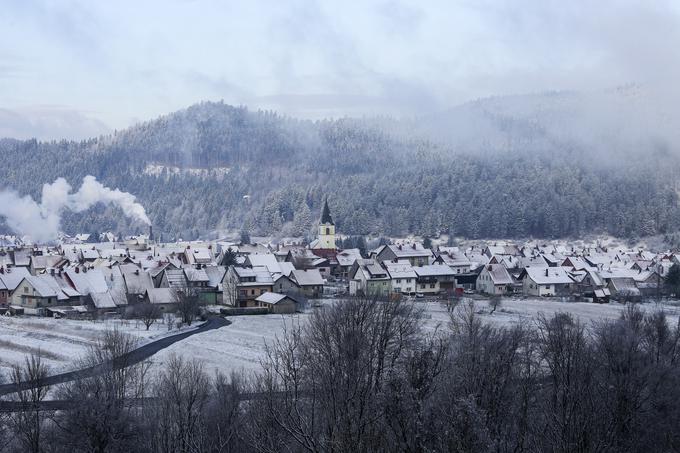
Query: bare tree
(147, 312)
(494, 303)
(27, 423)
(104, 413)
(188, 304)
(329, 384)
(182, 391)
(230, 291)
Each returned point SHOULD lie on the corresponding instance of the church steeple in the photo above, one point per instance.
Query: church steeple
(326, 239)
(326, 214)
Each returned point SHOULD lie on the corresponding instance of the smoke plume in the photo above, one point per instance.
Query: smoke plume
(41, 221)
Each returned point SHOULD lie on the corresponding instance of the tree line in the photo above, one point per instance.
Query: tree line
(281, 169)
(367, 375)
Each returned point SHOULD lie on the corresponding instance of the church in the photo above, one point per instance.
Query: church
(324, 244)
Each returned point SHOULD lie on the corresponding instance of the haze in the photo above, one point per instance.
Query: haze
(74, 69)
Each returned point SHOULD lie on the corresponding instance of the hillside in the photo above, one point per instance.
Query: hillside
(501, 167)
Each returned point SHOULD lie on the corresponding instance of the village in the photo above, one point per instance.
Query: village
(140, 277)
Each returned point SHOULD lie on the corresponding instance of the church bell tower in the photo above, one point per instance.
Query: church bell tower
(326, 229)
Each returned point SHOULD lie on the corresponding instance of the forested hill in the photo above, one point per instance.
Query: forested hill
(486, 169)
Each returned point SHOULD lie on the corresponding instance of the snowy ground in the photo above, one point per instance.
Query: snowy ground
(240, 346)
(62, 341)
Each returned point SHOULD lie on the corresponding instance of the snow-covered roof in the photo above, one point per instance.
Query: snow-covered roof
(196, 275)
(499, 274)
(42, 285)
(266, 259)
(271, 298)
(311, 277)
(400, 270)
(92, 281)
(161, 295)
(103, 300)
(215, 274)
(13, 276)
(409, 250)
(348, 256)
(433, 270)
(548, 275)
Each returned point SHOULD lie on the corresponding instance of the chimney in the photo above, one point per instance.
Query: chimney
(136, 271)
(77, 270)
(150, 233)
(414, 246)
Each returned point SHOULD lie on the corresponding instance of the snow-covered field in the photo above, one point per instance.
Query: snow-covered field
(62, 341)
(241, 345)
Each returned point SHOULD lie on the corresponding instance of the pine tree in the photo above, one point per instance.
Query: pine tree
(302, 222)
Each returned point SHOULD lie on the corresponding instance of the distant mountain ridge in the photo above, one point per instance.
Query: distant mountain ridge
(536, 165)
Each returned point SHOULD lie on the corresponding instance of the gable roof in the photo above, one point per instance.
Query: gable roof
(499, 274)
(311, 277)
(13, 276)
(273, 298)
(548, 275)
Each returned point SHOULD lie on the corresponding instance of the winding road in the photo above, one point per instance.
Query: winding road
(131, 358)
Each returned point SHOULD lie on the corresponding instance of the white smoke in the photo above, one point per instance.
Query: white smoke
(42, 221)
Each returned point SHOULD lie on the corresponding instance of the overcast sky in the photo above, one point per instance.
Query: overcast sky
(73, 68)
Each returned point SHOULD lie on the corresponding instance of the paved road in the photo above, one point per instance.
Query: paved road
(131, 358)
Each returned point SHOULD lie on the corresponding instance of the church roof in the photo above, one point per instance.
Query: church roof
(326, 214)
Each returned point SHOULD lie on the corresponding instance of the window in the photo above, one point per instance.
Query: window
(25, 289)
(328, 230)
(431, 285)
(398, 280)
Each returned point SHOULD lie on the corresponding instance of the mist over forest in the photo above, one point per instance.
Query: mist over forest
(547, 165)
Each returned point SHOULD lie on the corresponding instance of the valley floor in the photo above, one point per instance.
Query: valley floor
(240, 346)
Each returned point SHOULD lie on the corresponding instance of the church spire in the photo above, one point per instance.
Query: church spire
(326, 214)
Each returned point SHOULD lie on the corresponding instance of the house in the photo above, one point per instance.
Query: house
(277, 303)
(455, 259)
(9, 280)
(402, 277)
(164, 298)
(285, 285)
(369, 278)
(198, 255)
(310, 282)
(624, 288)
(549, 281)
(413, 253)
(346, 259)
(494, 279)
(137, 282)
(35, 293)
(435, 278)
(242, 285)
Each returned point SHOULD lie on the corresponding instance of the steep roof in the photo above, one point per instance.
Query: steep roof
(499, 274)
(326, 214)
(272, 298)
(310, 277)
(548, 275)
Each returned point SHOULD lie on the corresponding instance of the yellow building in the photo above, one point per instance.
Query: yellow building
(326, 239)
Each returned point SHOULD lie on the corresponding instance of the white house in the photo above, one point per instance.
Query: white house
(548, 281)
(494, 279)
(403, 277)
